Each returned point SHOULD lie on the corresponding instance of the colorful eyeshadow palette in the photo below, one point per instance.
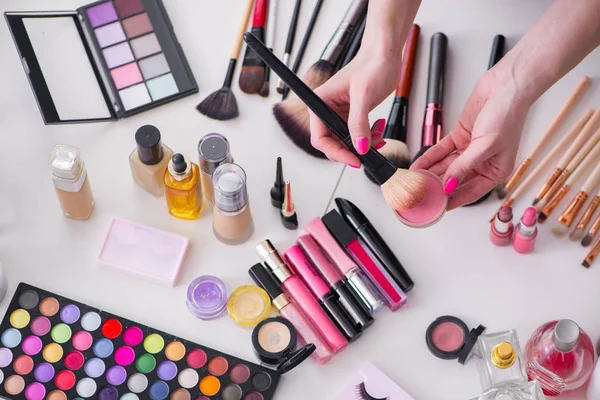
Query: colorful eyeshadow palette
(107, 60)
(57, 349)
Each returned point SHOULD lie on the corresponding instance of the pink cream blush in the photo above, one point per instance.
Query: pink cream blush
(431, 209)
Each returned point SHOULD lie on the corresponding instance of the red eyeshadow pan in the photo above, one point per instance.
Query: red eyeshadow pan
(126, 8)
(65, 380)
(111, 329)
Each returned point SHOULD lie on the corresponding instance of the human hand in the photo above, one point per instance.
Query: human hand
(352, 93)
(481, 149)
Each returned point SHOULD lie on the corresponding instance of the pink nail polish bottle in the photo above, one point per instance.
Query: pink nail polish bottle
(502, 228)
(526, 232)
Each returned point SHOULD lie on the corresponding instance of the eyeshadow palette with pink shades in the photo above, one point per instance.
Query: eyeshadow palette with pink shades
(135, 58)
(57, 349)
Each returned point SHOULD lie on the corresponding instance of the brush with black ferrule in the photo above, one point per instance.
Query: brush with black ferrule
(396, 150)
(270, 42)
(252, 76)
(354, 44)
(495, 56)
(221, 105)
(289, 43)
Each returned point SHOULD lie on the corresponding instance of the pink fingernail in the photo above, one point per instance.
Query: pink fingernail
(380, 145)
(354, 166)
(380, 125)
(362, 145)
(450, 186)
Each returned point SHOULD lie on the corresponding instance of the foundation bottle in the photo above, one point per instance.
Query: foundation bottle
(182, 188)
(213, 150)
(232, 220)
(71, 182)
(149, 160)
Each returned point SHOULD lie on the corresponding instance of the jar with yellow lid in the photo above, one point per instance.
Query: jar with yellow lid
(248, 305)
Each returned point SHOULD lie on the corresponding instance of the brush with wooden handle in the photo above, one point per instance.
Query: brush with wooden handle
(577, 233)
(591, 234)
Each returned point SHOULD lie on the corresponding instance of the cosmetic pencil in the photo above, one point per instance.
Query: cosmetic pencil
(253, 68)
(289, 43)
(396, 150)
(294, 287)
(432, 121)
(587, 216)
(495, 56)
(591, 234)
(591, 257)
(590, 159)
(367, 232)
(292, 113)
(222, 105)
(290, 311)
(521, 170)
(334, 278)
(568, 216)
(270, 42)
(356, 278)
(564, 168)
(402, 189)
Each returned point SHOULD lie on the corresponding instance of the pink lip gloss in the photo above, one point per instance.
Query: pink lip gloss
(299, 293)
(287, 309)
(526, 232)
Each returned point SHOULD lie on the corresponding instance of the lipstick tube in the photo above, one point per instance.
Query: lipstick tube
(328, 300)
(348, 299)
(432, 123)
(348, 239)
(373, 240)
(306, 333)
(299, 293)
(356, 278)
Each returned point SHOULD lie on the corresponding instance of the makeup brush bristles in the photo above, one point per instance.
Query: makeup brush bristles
(503, 192)
(220, 105)
(576, 235)
(559, 229)
(587, 240)
(404, 190)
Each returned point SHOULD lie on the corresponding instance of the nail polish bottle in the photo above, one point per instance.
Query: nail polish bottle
(214, 151)
(289, 218)
(71, 182)
(526, 232)
(182, 188)
(232, 220)
(501, 228)
(149, 160)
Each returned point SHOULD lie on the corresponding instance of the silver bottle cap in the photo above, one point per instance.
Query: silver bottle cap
(214, 151)
(229, 184)
(566, 335)
(269, 255)
(366, 294)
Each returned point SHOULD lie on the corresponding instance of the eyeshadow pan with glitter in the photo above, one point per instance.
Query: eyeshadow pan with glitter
(107, 60)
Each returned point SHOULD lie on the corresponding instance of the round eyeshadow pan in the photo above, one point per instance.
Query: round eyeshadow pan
(6, 357)
(70, 314)
(209, 385)
(29, 299)
(74, 360)
(196, 358)
(91, 321)
(86, 387)
(61, 333)
(65, 380)
(56, 395)
(261, 381)
(112, 328)
(218, 366)
(23, 365)
(180, 394)
(52, 352)
(239, 373)
(44, 372)
(11, 338)
(175, 351)
(35, 391)
(19, 318)
(145, 363)
(40, 326)
(82, 341)
(129, 396)
(137, 383)
(108, 393)
(32, 345)
(94, 367)
(103, 348)
(188, 378)
(14, 384)
(116, 375)
(124, 355)
(232, 392)
(154, 343)
(253, 396)
(133, 336)
(167, 370)
(159, 390)
(49, 307)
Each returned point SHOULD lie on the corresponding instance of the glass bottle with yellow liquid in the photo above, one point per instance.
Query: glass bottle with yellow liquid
(182, 188)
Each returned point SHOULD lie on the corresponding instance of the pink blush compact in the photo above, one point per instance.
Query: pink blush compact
(431, 209)
(449, 338)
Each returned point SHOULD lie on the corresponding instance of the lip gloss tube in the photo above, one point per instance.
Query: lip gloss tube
(345, 235)
(306, 332)
(328, 300)
(299, 293)
(355, 277)
(334, 279)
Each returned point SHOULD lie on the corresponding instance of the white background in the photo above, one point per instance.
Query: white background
(456, 269)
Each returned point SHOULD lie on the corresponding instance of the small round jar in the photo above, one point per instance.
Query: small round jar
(449, 338)
(207, 297)
(431, 209)
(248, 305)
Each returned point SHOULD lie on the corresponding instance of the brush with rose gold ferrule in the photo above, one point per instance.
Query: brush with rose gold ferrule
(577, 233)
(591, 234)
(591, 257)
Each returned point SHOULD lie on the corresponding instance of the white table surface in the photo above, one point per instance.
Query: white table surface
(463, 275)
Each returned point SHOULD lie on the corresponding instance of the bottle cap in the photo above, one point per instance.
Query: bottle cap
(214, 151)
(566, 335)
(149, 147)
(248, 305)
(66, 163)
(229, 183)
(179, 167)
(504, 355)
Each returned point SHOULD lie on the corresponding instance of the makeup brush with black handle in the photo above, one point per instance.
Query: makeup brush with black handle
(289, 44)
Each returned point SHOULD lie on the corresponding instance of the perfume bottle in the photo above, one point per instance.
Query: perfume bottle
(71, 182)
(593, 390)
(149, 160)
(525, 391)
(213, 150)
(560, 356)
(232, 220)
(182, 188)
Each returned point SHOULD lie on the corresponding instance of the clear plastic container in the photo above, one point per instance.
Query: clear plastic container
(560, 356)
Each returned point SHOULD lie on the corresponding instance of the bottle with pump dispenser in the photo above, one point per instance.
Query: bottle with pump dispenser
(182, 188)
(149, 160)
(560, 356)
